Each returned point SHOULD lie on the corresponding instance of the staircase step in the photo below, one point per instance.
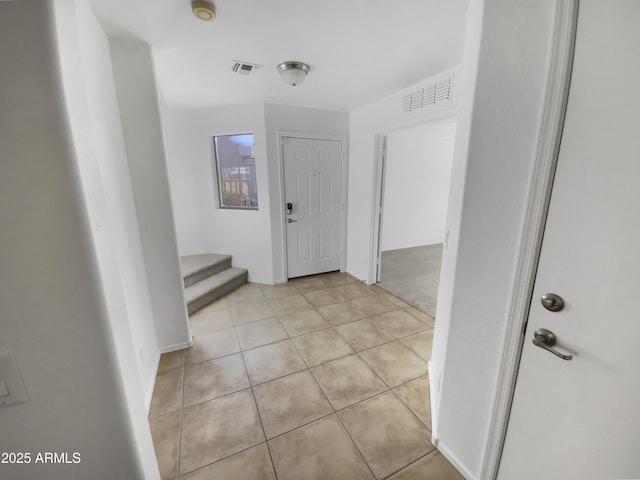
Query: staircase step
(206, 291)
(196, 268)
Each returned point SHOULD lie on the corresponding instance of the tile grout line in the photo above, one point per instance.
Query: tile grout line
(255, 401)
(315, 308)
(312, 307)
(411, 409)
(251, 386)
(431, 452)
(335, 328)
(408, 408)
(355, 444)
(291, 337)
(309, 369)
(302, 425)
(321, 389)
(184, 371)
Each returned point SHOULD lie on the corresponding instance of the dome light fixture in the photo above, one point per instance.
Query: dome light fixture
(293, 73)
(203, 10)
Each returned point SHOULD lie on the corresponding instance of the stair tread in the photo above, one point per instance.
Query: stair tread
(192, 264)
(197, 290)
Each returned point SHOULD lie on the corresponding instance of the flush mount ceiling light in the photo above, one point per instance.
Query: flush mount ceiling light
(203, 10)
(293, 73)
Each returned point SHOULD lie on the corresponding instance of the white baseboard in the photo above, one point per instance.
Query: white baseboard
(149, 395)
(442, 448)
(263, 281)
(177, 346)
(165, 349)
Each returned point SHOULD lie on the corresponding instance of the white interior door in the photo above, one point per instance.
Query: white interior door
(313, 187)
(578, 418)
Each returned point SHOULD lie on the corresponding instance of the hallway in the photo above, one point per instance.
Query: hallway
(319, 378)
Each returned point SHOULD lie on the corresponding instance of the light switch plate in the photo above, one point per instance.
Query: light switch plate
(11, 378)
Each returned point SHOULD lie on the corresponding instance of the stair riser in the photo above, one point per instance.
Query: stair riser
(211, 296)
(207, 272)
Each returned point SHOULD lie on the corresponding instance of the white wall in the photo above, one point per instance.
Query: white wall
(190, 173)
(254, 238)
(467, 74)
(202, 227)
(97, 135)
(381, 117)
(416, 186)
(64, 314)
(506, 64)
(281, 118)
(113, 171)
(138, 103)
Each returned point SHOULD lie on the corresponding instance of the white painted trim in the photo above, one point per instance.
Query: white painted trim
(167, 349)
(265, 281)
(453, 460)
(149, 394)
(448, 113)
(213, 158)
(378, 193)
(345, 204)
(343, 213)
(541, 182)
(280, 210)
(435, 380)
(177, 346)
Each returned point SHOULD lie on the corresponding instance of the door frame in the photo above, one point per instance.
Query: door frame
(537, 205)
(377, 218)
(344, 192)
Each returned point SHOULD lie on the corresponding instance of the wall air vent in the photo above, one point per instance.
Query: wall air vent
(432, 94)
(245, 68)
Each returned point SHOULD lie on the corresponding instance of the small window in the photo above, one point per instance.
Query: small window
(236, 168)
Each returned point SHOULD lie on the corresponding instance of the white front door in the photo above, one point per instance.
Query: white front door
(313, 187)
(579, 418)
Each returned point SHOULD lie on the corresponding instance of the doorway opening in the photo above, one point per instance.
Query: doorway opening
(415, 175)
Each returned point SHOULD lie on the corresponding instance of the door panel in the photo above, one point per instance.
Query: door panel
(313, 184)
(577, 419)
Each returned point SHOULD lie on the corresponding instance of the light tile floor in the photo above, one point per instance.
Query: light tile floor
(319, 378)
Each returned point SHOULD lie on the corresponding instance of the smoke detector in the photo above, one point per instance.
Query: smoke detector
(203, 10)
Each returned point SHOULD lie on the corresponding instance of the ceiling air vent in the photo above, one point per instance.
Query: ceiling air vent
(244, 68)
(432, 94)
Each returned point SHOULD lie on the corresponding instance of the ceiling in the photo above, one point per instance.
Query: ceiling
(359, 51)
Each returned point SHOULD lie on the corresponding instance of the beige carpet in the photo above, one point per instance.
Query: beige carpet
(413, 275)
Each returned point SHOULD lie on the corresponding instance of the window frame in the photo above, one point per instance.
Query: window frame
(219, 178)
